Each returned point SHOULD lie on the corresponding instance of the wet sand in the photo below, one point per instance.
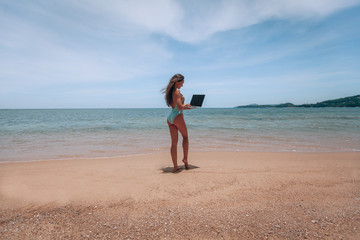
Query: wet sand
(224, 195)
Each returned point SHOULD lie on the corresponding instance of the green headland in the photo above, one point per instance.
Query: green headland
(353, 101)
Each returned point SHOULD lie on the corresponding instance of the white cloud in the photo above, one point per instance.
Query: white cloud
(46, 48)
(194, 21)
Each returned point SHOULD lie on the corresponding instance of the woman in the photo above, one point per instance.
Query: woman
(175, 120)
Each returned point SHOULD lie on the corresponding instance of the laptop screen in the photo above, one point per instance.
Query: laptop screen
(197, 100)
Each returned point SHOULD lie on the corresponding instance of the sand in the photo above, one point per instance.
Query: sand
(225, 195)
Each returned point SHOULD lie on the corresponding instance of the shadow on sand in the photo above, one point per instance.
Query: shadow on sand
(182, 168)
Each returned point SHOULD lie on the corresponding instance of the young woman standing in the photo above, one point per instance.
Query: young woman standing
(175, 120)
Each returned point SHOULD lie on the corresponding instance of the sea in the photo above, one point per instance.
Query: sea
(48, 134)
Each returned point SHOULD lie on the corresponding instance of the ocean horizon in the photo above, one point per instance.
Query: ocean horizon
(68, 133)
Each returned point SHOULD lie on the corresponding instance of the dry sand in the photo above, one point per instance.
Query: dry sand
(225, 195)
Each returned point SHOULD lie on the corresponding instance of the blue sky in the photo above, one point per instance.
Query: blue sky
(121, 53)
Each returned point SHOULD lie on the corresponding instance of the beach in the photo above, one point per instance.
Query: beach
(224, 195)
(96, 97)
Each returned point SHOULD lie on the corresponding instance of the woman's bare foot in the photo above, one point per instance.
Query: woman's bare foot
(176, 170)
(186, 163)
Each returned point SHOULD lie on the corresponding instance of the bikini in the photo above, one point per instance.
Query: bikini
(174, 112)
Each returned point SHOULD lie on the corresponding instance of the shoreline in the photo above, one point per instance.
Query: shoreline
(247, 195)
(41, 135)
(196, 150)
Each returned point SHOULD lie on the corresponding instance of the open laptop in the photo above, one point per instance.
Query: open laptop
(197, 100)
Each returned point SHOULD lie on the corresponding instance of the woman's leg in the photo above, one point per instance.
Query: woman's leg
(174, 140)
(179, 122)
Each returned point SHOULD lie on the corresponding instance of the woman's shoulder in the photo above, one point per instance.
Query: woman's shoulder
(177, 92)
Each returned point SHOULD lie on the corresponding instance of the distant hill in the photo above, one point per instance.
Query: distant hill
(353, 101)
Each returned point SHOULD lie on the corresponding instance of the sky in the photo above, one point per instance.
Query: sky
(121, 53)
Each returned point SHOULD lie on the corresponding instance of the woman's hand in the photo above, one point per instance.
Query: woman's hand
(188, 106)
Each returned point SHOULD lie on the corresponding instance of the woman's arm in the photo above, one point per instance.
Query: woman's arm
(178, 102)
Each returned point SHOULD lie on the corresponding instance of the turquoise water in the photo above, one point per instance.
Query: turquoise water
(27, 135)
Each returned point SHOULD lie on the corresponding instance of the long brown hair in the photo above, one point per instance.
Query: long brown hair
(169, 90)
